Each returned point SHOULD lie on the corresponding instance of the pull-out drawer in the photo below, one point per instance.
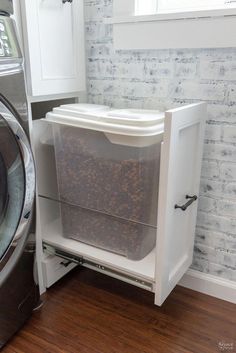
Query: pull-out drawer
(178, 185)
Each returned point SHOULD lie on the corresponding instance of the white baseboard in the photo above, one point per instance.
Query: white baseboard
(208, 284)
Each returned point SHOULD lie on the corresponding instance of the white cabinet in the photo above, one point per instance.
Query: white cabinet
(180, 167)
(53, 37)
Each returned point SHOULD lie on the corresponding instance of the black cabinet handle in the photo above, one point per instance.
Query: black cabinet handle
(188, 203)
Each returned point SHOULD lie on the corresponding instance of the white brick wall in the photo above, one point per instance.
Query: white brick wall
(164, 79)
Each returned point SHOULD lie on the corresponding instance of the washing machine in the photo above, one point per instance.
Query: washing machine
(18, 280)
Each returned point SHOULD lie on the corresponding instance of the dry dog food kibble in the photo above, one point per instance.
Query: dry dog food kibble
(109, 191)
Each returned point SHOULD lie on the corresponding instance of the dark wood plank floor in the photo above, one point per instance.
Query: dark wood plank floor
(87, 312)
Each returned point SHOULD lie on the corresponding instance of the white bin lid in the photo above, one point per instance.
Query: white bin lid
(128, 122)
(84, 107)
(137, 116)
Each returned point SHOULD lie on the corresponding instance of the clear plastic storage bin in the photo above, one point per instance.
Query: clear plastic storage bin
(108, 174)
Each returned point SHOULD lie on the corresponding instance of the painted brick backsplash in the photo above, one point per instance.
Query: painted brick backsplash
(162, 79)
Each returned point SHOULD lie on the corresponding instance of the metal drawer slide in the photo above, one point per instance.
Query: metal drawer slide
(80, 260)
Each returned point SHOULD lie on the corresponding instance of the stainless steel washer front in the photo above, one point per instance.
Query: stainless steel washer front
(6, 7)
(18, 287)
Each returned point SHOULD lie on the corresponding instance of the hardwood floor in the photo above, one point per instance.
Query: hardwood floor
(87, 312)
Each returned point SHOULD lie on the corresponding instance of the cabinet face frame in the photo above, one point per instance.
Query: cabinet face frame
(183, 142)
(41, 37)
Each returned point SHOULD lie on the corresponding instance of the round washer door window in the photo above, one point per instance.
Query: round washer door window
(12, 186)
(17, 188)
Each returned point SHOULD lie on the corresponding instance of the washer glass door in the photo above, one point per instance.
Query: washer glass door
(17, 188)
(12, 186)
